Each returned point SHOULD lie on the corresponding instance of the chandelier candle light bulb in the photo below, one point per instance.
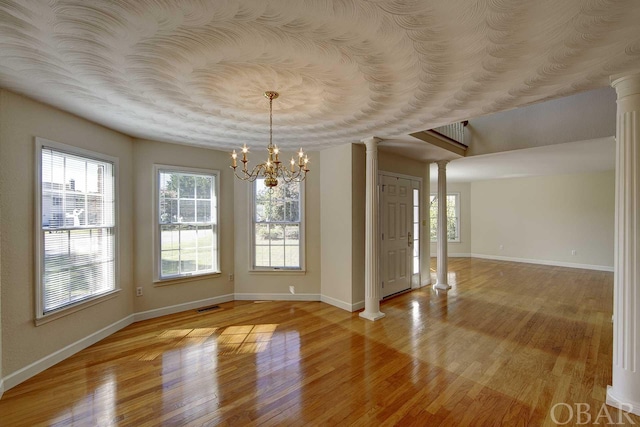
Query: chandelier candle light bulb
(272, 170)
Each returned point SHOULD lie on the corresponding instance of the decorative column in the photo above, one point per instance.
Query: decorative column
(372, 235)
(624, 392)
(441, 283)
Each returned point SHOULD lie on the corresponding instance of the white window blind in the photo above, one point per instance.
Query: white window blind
(78, 228)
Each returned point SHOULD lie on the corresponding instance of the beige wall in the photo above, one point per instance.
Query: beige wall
(21, 121)
(463, 247)
(343, 219)
(145, 155)
(2, 95)
(358, 212)
(336, 218)
(266, 285)
(545, 218)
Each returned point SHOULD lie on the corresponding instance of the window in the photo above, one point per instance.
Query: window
(278, 227)
(453, 216)
(187, 222)
(76, 243)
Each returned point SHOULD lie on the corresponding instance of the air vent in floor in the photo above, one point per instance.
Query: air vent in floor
(210, 308)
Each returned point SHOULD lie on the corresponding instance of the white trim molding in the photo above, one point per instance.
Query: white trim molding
(1, 387)
(277, 297)
(48, 361)
(457, 255)
(177, 308)
(545, 262)
(341, 304)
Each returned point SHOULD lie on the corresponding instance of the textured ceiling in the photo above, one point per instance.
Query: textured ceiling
(194, 71)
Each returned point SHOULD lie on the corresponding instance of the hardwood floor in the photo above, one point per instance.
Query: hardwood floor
(502, 347)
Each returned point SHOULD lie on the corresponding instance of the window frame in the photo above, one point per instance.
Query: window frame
(40, 316)
(457, 195)
(157, 241)
(252, 240)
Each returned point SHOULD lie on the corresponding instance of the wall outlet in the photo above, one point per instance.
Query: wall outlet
(573, 252)
(292, 289)
(501, 247)
(231, 277)
(139, 291)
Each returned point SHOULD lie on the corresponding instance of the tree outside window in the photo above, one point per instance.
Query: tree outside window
(453, 220)
(188, 223)
(277, 225)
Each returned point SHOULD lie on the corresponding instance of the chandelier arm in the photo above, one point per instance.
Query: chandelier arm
(288, 176)
(250, 176)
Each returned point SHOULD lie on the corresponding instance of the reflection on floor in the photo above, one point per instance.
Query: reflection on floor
(509, 344)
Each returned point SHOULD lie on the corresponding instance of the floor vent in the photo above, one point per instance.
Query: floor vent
(210, 308)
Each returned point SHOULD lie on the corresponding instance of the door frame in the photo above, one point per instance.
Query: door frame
(416, 182)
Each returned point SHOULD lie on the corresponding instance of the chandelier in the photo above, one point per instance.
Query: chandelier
(273, 168)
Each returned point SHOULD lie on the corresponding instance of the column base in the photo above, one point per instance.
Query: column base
(371, 316)
(625, 405)
(441, 286)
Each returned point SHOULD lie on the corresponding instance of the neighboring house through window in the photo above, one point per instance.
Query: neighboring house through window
(76, 245)
(278, 226)
(187, 224)
(453, 216)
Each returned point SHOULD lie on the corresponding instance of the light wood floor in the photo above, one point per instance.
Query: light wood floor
(505, 345)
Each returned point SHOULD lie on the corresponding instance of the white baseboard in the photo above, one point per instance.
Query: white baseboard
(341, 304)
(277, 297)
(545, 262)
(172, 309)
(456, 255)
(357, 306)
(48, 361)
(1, 387)
(422, 284)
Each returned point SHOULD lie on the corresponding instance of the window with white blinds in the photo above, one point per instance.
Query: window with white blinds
(77, 227)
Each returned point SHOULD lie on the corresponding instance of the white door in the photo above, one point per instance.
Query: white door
(397, 241)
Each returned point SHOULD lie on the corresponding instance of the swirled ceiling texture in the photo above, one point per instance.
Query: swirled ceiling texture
(194, 71)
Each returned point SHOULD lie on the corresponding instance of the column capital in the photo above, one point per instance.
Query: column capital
(442, 163)
(371, 142)
(626, 84)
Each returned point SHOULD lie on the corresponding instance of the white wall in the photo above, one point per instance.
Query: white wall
(275, 285)
(463, 247)
(542, 219)
(581, 117)
(199, 290)
(21, 120)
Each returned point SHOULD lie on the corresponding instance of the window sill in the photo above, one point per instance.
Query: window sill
(185, 279)
(278, 271)
(75, 308)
